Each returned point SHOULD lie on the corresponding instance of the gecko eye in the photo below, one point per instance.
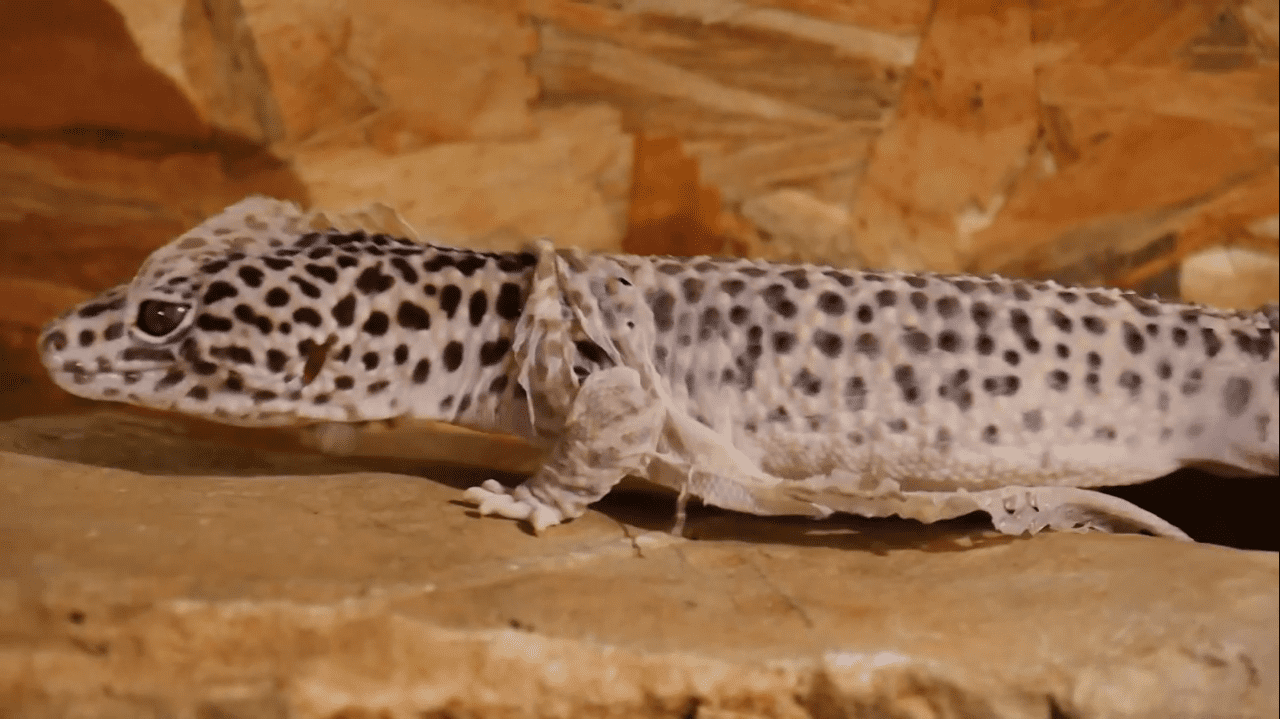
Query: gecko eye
(158, 318)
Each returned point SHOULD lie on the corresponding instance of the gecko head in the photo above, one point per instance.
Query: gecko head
(232, 321)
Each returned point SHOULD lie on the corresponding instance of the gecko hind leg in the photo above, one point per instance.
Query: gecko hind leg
(612, 431)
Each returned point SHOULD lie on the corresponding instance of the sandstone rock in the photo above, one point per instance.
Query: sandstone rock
(267, 582)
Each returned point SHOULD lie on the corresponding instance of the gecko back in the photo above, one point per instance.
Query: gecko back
(939, 382)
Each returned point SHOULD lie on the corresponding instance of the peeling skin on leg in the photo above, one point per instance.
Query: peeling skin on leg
(612, 431)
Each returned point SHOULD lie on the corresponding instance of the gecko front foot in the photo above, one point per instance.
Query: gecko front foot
(518, 504)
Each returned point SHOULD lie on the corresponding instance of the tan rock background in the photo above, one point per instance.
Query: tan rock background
(1129, 143)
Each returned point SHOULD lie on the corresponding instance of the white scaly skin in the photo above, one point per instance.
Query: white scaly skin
(760, 387)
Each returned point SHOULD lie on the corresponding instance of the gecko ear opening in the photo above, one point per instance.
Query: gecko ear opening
(158, 319)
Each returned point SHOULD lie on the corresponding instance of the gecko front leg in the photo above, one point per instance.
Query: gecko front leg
(612, 431)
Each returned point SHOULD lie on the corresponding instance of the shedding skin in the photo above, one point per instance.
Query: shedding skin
(759, 387)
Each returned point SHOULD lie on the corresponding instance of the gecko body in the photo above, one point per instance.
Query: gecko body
(760, 387)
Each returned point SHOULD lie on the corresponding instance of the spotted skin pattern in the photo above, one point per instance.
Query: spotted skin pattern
(760, 387)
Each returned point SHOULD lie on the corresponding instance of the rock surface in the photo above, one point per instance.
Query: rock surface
(150, 571)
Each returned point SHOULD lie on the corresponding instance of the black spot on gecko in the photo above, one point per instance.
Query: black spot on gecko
(886, 298)
(949, 341)
(828, 343)
(276, 360)
(919, 301)
(277, 297)
(324, 272)
(693, 288)
(1021, 323)
(1193, 383)
(376, 324)
(217, 290)
(413, 317)
(775, 298)
(491, 353)
(991, 434)
(916, 281)
(372, 281)
(405, 269)
(798, 278)
(344, 311)
(1058, 380)
(452, 356)
(1235, 395)
(855, 394)
(831, 304)
(844, 279)
(421, 371)
(904, 376)
(1133, 339)
(1212, 345)
(1093, 382)
(214, 323)
(917, 342)
(1060, 320)
(306, 316)
(985, 345)
(1100, 299)
(1032, 420)
(469, 264)
(170, 378)
(252, 276)
(733, 287)
(1179, 336)
(783, 342)
(245, 314)
(865, 314)
(1094, 324)
(1003, 386)
(662, 303)
(947, 307)
(437, 263)
(370, 360)
(450, 298)
(509, 303)
(1131, 381)
(1144, 307)
(516, 262)
(867, 344)
(709, 324)
(807, 382)
(476, 308)
(981, 314)
(307, 288)
(277, 263)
